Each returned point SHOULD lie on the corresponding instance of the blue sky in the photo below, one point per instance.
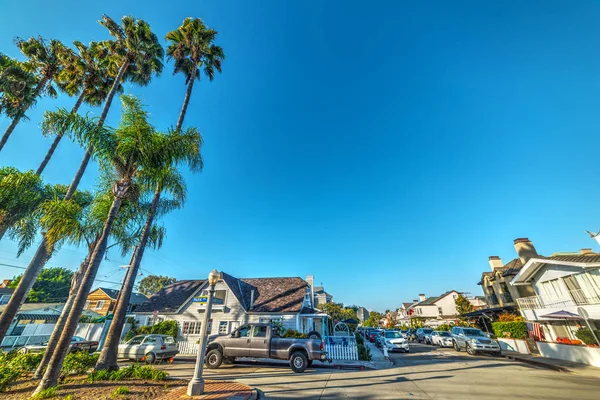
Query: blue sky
(388, 148)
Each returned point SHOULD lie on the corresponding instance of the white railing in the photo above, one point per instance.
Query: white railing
(342, 352)
(187, 348)
(572, 298)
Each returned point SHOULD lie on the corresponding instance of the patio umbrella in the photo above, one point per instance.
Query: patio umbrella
(562, 315)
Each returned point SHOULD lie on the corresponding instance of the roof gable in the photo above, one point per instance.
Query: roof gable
(274, 294)
(171, 297)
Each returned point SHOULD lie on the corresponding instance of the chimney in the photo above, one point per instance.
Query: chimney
(525, 249)
(310, 279)
(495, 262)
(421, 297)
(586, 251)
(252, 299)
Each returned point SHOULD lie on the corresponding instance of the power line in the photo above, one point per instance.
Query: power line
(95, 280)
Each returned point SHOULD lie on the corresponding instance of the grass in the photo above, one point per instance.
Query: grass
(132, 372)
(120, 391)
(46, 394)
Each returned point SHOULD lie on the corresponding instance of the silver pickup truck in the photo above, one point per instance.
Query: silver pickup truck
(263, 341)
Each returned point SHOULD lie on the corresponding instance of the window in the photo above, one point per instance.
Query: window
(168, 340)
(552, 289)
(223, 327)
(191, 327)
(150, 340)
(440, 310)
(260, 331)
(136, 340)
(99, 305)
(218, 297)
(4, 298)
(244, 331)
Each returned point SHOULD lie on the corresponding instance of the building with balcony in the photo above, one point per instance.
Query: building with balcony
(564, 283)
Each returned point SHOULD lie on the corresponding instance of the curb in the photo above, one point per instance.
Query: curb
(538, 363)
(254, 395)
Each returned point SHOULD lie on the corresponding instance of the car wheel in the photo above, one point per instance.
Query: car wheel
(456, 347)
(213, 359)
(471, 350)
(298, 362)
(314, 335)
(150, 358)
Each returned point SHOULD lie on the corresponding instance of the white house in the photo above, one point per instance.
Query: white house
(236, 301)
(436, 310)
(563, 282)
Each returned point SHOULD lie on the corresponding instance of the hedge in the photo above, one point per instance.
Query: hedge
(586, 336)
(513, 330)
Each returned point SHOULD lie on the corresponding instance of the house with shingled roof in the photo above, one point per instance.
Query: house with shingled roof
(436, 310)
(103, 301)
(237, 301)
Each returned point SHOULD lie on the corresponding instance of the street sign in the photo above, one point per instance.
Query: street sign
(200, 299)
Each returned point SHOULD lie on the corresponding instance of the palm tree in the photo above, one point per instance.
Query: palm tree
(17, 86)
(137, 54)
(44, 59)
(84, 74)
(191, 47)
(185, 147)
(134, 146)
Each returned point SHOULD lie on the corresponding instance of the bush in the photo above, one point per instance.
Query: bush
(585, 335)
(78, 363)
(162, 328)
(359, 339)
(364, 353)
(290, 333)
(47, 393)
(509, 317)
(513, 330)
(444, 327)
(14, 365)
(134, 371)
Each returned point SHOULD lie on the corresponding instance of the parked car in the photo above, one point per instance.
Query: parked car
(474, 341)
(148, 348)
(441, 338)
(263, 341)
(393, 341)
(411, 334)
(421, 333)
(374, 335)
(77, 344)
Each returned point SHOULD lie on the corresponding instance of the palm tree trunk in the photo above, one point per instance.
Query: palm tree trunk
(52, 373)
(38, 89)
(27, 280)
(58, 137)
(108, 356)
(60, 324)
(186, 102)
(34, 268)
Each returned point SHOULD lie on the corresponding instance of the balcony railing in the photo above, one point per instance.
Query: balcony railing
(572, 298)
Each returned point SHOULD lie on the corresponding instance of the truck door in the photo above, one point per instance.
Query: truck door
(238, 344)
(259, 342)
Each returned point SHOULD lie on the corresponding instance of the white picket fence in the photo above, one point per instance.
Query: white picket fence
(187, 348)
(342, 352)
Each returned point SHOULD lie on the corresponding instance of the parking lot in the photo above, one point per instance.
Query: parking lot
(427, 372)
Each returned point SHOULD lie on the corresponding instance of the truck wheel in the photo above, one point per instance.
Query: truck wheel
(213, 359)
(298, 362)
(314, 335)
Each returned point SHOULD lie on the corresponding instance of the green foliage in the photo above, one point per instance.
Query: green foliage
(509, 317)
(17, 86)
(359, 339)
(373, 320)
(52, 285)
(444, 327)
(133, 330)
(162, 328)
(14, 365)
(120, 391)
(154, 283)
(338, 312)
(290, 333)
(364, 353)
(463, 306)
(78, 363)
(134, 371)
(46, 393)
(586, 336)
(513, 330)
(68, 397)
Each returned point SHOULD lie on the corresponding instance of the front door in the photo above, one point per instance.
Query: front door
(259, 345)
(238, 344)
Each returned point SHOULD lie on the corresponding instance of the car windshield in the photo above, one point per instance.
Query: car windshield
(472, 332)
(427, 330)
(77, 339)
(447, 334)
(393, 335)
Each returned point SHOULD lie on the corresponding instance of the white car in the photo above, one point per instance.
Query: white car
(148, 348)
(441, 338)
(395, 341)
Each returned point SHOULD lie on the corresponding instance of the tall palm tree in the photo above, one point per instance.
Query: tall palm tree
(84, 74)
(134, 146)
(185, 147)
(17, 86)
(191, 47)
(137, 55)
(44, 59)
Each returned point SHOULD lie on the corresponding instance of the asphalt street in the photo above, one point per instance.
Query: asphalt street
(426, 372)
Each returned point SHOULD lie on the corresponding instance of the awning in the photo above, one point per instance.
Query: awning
(562, 315)
(495, 310)
(38, 317)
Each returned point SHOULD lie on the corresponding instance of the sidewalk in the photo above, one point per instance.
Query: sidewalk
(217, 390)
(378, 360)
(555, 364)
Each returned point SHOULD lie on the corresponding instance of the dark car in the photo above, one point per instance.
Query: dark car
(77, 344)
(374, 335)
(422, 333)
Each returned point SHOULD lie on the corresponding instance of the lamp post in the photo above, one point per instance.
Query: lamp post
(196, 385)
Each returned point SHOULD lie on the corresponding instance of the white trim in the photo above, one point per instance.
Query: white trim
(524, 274)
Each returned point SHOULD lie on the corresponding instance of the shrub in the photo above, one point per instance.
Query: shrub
(513, 330)
(162, 328)
(134, 371)
(45, 394)
(359, 339)
(78, 363)
(444, 327)
(120, 391)
(290, 333)
(585, 335)
(14, 365)
(364, 353)
(509, 317)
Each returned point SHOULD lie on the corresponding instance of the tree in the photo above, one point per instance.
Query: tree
(463, 305)
(191, 47)
(183, 147)
(391, 318)
(374, 319)
(135, 55)
(17, 86)
(44, 59)
(154, 283)
(52, 286)
(134, 146)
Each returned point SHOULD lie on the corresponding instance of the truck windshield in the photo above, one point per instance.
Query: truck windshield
(472, 332)
(393, 335)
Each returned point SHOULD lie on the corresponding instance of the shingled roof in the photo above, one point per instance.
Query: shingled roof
(136, 298)
(274, 294)
(171, 297)
(578, 258)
